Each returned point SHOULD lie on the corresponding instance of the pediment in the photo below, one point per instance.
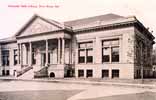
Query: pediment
(39, 25)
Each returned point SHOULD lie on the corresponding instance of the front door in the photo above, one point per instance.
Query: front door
(43, 59)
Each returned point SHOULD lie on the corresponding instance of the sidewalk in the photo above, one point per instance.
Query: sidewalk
(115, 82)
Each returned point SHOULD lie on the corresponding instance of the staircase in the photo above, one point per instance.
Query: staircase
(25, 73)
(43, 72)
(24, 70)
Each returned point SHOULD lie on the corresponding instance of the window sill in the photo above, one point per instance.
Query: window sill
(85, 63)
(110, 62)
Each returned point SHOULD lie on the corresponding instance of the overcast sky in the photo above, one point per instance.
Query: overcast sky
(13, 18)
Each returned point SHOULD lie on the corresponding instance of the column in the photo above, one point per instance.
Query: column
(46, 52)
(63, 50)
(21, 55)
(26, 54)
(0, 55)
(58, 56)
(30, 53)
(110, 73)
(70, 52)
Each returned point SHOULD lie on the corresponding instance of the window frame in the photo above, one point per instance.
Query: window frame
(110, 43)
(15, 55)
(105, 73)
(112, 59)
(115, 73)
(89, 73)
(86, 46)
(82, 73)
(5, 58)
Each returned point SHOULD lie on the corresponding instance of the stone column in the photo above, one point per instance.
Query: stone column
(110, 73)
(58, 56)
(63, 50)
(46, 52)
(0, 55)
(30, 53)
(70, 52)
(21, 55)
(26, 54)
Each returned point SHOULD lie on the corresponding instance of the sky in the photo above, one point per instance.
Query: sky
(15, 13)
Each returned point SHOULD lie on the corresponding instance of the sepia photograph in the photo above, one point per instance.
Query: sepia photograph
(77, 50)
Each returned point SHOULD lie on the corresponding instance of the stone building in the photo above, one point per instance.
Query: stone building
(106, 46)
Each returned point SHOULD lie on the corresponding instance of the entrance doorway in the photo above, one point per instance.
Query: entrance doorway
(43, 59)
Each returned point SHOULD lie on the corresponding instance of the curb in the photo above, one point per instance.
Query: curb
(85, 82)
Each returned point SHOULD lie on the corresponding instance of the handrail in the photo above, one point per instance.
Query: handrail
(19, 73)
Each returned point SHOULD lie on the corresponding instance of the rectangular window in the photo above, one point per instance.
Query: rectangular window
(82, 45)
(7, 72)
(3, 72)
(80, 73)
(105, 73)
(106, 43)
(5, 58)
(106, 54)
(89, 45)
(89, 73)
(85, 52)
(89, 55)
(81, 56)
(110, 50)
(115, 42)
(15, 57)
(115, 73)
(115, 54)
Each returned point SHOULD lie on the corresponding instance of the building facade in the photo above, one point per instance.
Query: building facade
(106, 46)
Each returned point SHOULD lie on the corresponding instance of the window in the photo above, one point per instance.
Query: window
(115, 73)
(110, 50)
(80, 73)
(89, 73)
(81, 56)
(89, 55)
(106, 54)
(105, 73)
(85, 52)
(3, 72)
(7, 72)
(15, 57)
(5, 58)
(115, 54)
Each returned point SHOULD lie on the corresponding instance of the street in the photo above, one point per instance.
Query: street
(29, 90)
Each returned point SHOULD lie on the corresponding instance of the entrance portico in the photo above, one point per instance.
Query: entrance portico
(41, 45)
(44, 53)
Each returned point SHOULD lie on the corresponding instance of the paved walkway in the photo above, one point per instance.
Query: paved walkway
(128, 83)
(88, 91)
